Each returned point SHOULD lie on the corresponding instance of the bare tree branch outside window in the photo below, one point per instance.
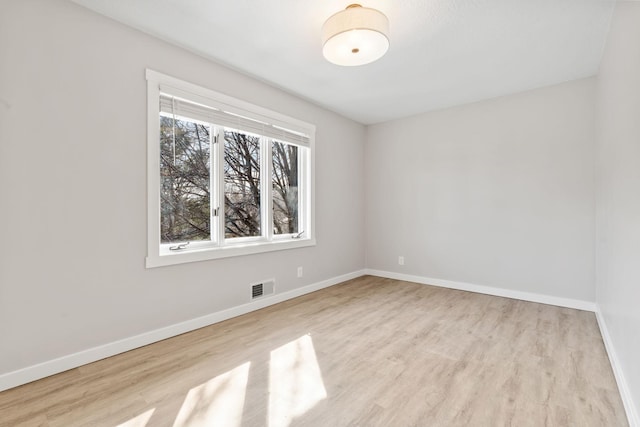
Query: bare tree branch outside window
(184, 181)
(241, 184)
(285, 188)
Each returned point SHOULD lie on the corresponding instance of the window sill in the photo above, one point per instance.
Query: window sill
(194, 255)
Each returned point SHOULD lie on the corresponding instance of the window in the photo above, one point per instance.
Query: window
(225, 177)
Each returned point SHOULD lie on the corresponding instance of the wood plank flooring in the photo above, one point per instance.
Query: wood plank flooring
(368, 352)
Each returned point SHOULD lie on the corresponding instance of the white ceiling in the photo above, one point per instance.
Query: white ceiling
(443, 52)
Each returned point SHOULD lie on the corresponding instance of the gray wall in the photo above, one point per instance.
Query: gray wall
(618, 201)
(72, 185)
(497, 193)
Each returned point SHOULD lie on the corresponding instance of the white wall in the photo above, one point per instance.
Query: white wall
(618, 201)
(497, 193)
(72, 186)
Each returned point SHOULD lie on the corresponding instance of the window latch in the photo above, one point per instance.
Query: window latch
(179, 247)
(297, 236)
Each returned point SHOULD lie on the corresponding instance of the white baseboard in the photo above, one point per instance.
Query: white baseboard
(61, 364)
(625, 393)
(488, 290)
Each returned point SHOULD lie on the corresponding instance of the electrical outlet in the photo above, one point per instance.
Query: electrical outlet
(400, 260)
(299, 271)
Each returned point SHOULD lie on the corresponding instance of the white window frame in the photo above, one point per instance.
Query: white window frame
(159, 254)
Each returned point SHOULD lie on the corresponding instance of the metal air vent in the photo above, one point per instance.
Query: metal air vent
(263, 288)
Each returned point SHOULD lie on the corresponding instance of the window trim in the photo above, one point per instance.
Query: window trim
(158, 254)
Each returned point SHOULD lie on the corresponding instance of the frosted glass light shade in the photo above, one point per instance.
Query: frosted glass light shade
(355, 36)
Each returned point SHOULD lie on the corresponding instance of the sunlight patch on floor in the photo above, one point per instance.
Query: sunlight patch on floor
(139, 421)
(295, 381)
(218, 402)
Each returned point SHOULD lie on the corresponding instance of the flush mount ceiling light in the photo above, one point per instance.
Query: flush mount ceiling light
(355, 36)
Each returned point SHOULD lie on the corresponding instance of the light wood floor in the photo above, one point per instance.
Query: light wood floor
(369, 352)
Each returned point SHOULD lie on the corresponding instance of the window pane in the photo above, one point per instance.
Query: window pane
(184, 181)
(285, 188)
(241, 184)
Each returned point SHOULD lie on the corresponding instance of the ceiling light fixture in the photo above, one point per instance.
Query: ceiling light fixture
(355, 36)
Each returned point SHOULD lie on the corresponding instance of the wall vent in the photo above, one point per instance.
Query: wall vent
(264, 288)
